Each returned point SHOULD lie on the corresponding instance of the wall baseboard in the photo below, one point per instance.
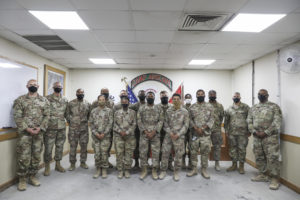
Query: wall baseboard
(15, 179)
(282, 180)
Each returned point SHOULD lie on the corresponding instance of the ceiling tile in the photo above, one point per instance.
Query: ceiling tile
(9, 5)
(270, 6)
(154, 36)
(117, 20)
(88, 45)
(153, 47)
(192, 37)
(289, 23)
(158, 5)
(115, 36)
(117, 55)
(133, 47)
(144, 20)
(214, 6)
(53, 5)
(101, 4)
(12, 36)
(127, 61)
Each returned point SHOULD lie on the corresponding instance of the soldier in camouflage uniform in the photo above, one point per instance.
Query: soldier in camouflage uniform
(135, 107)
(78, 112)
(164, 105)
(101, 120)
(118, 106)
(187, 138)
(216, 136)
(201, 123)
(236, 129)
(264, 122)
(150, 121)
(56, 132)
(176, 125)
(31, 114)
(124, 127)
(109, 102)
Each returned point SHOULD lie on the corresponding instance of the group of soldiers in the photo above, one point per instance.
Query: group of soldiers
(165, 132)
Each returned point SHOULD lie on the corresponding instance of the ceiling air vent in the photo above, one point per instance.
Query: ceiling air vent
(203, 22)
(49, 42)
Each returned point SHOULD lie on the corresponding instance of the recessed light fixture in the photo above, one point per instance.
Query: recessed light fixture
(245, 22)
(60, 19)
(201, 62)
(101, 61)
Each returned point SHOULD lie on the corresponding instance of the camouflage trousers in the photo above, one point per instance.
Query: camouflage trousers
(162, 137)
(80, 136)
(51, 137)
(154, 143)
(237, 147)
(101, 151)
(204, 144)
(267, 153)
(178, 146)
(29, 149)
(217, 141)
(124, 150)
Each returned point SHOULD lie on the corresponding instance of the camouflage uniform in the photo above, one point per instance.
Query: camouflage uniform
(30, 112)
(109, 104)
(101, 120)
(177, 122)
(124, 121)
(201, 114)
(77, 116)
(187, 139)
(56, 132)
(236, 127)
(150, 118)
(136, 152)
(266, 117)
(216, 136)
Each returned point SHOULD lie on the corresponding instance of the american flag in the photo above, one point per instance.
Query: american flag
(131, 96)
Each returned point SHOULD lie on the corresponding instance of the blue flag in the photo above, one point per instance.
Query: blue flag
(131, 96)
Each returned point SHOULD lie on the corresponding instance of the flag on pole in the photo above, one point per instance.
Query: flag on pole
(131, 96)
(178, 91)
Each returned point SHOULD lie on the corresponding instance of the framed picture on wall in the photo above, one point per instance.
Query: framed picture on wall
(52, 75)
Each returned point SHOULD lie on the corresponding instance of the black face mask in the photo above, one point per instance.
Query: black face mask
(80, 96)
(124, 105)
(57, 90)
(236, 100)
(212, 98)
(123, 96)
(262, 98)
(32, 89)
(200, 98)
(142, 98)
(150, 101)
(106, 95)
(164, 100)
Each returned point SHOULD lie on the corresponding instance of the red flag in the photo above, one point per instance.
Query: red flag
(178, 91)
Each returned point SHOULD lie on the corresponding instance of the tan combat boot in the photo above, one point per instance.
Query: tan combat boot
(120, 175)
(34, 181)
(47, 169)
(154, 173)
(204, 173)
(104, 173)
(22, 183)
(217, 166)
(176, 175)
(98, 173)
(241, 168)
(72, 167)
(190, 165)
(144, 173)
(84, 165)
(274, 185)
(162, 175)
(232, 168)
(260, 178)
(193, 172)
(127, 173)
(59, 168)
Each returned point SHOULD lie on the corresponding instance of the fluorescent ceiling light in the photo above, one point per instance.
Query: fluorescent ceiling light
(9, 65)
(101, 61)
(252, 22)
(201, 62)
(60, 19)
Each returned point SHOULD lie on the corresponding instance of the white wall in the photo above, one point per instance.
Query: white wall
(8, 147)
